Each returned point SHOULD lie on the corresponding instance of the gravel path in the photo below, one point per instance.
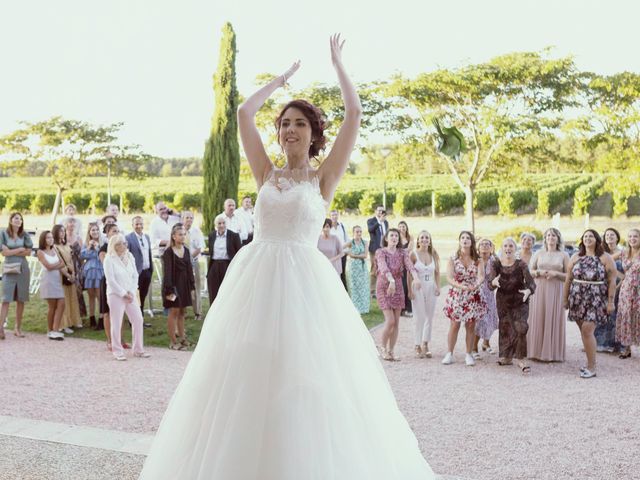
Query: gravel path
(482, 422)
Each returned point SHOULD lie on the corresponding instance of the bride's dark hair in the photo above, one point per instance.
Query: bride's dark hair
(317, 120)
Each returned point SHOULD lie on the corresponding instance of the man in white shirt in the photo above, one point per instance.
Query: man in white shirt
(246, 214)
(234, 222)
(160, 228)
(339, 230)
(194, 240)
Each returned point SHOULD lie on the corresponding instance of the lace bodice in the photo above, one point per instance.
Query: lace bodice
(289, 210)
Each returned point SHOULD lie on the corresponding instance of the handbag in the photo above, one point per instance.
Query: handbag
(11, 268)
(65, 280)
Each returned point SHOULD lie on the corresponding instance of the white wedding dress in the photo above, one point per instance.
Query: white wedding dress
(285, 383)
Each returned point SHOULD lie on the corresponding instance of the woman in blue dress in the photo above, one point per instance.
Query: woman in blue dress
(358, 275)
(606, 333)
(92, 269)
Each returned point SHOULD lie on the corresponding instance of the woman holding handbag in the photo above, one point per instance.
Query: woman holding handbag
(177, 284)
(16, 244)
(71, 315)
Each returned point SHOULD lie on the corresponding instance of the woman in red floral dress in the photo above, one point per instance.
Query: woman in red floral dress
(392, 262)
(464, 304)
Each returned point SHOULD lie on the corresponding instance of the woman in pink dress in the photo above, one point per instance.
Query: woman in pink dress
(392, 261)
(464, 304)
(628, 318)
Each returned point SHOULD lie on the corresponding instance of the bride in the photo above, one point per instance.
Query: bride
(285, 383)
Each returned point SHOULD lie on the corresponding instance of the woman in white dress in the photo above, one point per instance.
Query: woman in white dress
(427, 263)
(285, 383)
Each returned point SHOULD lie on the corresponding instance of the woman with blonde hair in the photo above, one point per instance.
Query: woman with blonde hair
(426, 260)
(514, 285)
(547, 326)
(527, 241)
(92, 269)
(122, 284)
(628, 319)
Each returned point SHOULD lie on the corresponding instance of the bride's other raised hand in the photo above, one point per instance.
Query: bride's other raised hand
(290, 72)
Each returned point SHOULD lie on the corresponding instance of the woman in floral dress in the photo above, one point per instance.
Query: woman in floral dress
(628, 319)
(514, 286)
(358, 275)
(606, 334)
(489, 321)
(589, 292)
(464, 304)
(392, 261)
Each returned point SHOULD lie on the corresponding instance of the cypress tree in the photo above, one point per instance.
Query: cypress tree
(221, 164)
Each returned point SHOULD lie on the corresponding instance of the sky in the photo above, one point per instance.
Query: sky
(149, 63)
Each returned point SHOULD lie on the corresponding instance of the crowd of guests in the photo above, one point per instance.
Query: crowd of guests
(524, 293)
(115, 269)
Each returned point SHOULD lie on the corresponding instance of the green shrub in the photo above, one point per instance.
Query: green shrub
(447, 200)
(42, 203)
(132, 202)
(620, 203)
(152, 198)
(82, 200)
(512, 200)
(3, 200)
(550, 199)
(349, 200)
(19, 202)
(584, 196)
(515, 234)
(187, 201)
(407, 202)
(484, 200)
(371, 199)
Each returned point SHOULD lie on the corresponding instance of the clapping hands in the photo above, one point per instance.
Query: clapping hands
(525, 294)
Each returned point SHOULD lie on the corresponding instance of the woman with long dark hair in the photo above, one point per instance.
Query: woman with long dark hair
(464, 304)
(606, 334)
(407, 243)
(284, 359)
(16, 244)
(392, 262)
(178, 284)
(589, 292)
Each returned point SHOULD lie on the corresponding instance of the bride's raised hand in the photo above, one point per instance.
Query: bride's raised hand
(336, 49)
(289, 73)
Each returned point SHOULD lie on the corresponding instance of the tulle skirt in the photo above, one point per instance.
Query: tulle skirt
(285, 384)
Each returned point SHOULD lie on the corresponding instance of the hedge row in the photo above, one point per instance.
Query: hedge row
(514, 199)
(550, 199)
(585, 194)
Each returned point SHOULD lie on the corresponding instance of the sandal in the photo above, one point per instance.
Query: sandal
(176, 346)
(19, 334)
(186, 343)
(502, 362)
(625, 354)
(418, 351)
(526, 369)
(393, 357)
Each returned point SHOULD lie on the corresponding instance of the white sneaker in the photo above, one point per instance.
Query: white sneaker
(53, 335)
(67, 330)
(448, 359)
(468, 359)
